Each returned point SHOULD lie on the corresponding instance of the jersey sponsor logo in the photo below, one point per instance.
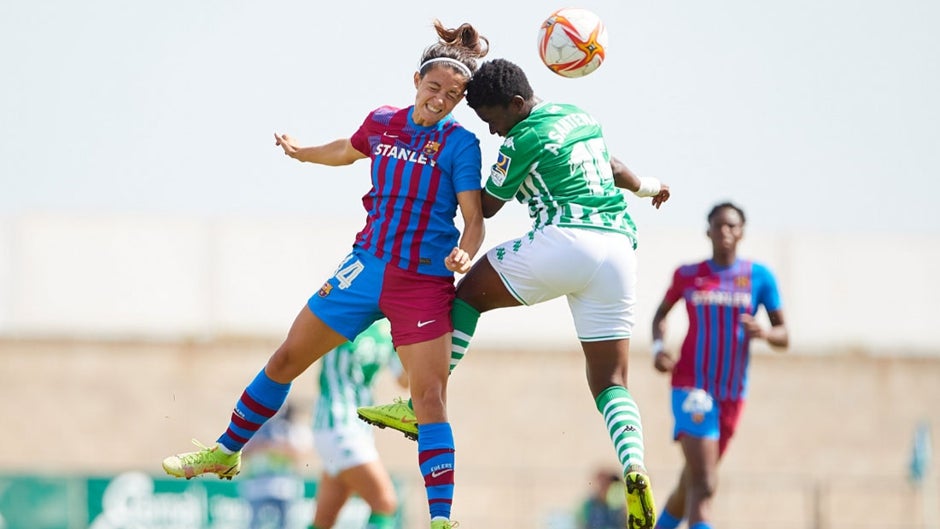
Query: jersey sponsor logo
(500, 169)
(325, 290)
(723, 298)
(510, 143)
(402, 153)
(423, 323)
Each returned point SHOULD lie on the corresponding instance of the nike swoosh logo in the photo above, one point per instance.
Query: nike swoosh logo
(423, 323)
(406, 420)
(439, 473)
(387, 135)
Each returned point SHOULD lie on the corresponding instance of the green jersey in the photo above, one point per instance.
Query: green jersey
(556, 162)
(347, 375)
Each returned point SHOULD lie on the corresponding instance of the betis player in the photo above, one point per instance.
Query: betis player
(709, 378)
(345, 445)
(581, 246)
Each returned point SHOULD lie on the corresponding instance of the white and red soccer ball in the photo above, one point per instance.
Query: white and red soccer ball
(572, 42)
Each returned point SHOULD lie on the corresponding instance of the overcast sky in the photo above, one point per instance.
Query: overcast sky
(813, 114)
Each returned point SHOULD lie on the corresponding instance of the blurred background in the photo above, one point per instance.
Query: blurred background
(155, 246)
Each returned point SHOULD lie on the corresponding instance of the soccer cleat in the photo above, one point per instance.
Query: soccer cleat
(397, 416)
(444, 524)
(641, 510)
(203, 461)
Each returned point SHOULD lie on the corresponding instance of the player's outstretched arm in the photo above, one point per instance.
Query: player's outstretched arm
(335, 153)
(640, 186)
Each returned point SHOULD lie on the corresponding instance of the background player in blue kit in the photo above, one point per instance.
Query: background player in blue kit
(709, 378)
(423, 166)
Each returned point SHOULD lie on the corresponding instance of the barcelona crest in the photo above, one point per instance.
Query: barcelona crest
(325, 290)
(431, 148)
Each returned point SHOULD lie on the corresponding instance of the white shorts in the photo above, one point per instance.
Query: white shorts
(594, 269)
(345, 447)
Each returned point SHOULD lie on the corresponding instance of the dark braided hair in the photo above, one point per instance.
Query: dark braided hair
(496, 83)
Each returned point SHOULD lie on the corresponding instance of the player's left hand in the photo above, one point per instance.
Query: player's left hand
(751, 328)
(458, 261)
(662, 196)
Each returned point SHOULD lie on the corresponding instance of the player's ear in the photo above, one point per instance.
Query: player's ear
(517, 103)
(417, 79)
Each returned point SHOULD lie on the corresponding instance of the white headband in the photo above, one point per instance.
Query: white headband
(453, 62)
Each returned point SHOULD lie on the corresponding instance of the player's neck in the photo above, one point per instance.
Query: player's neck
(724, 259)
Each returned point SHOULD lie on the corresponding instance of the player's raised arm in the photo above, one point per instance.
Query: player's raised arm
(335, 153)
(643, 187)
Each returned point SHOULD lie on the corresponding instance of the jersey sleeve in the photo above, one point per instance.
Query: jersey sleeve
(467, 162)
(674, 292)
(765, 288)
(360, 138)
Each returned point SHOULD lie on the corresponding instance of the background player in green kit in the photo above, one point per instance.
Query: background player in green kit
(345, 445)
(554, 159)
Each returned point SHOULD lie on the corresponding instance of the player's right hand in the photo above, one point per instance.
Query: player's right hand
(287, 143)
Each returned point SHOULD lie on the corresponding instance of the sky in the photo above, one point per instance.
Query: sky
(817, 115)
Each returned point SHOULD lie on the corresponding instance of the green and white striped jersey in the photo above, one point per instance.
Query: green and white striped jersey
(348, 373)
(556, 162)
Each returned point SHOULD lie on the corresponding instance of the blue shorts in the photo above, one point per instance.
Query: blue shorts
(364, 289)
(698, 414)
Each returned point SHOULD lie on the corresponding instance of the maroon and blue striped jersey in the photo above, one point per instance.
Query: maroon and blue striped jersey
(716, 351)
(416, 175)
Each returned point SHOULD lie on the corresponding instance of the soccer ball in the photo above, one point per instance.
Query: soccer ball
(572, 42)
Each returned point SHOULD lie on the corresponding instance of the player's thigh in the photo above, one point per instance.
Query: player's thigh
(348, 302)
(729, 413)
(483, 288)
(543, 264)
(604, 307)
(344, 447)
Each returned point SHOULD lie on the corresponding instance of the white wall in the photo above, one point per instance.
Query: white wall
(118, 277)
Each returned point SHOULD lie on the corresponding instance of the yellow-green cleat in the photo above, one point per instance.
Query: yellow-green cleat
(206, 460)
(397, 416)
(444, 524)
(641, 509)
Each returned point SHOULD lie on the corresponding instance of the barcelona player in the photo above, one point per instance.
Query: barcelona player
(424, 165)
(709, 377)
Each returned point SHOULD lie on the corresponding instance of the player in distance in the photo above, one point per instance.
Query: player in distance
(709, 378)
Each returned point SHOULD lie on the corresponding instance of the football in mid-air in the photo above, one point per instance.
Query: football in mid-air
(572, 42)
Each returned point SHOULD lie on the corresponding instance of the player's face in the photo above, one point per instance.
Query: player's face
(500, 119)
(725, 230)
(439, 91)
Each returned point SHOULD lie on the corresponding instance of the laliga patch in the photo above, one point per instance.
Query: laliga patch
(500, 169)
